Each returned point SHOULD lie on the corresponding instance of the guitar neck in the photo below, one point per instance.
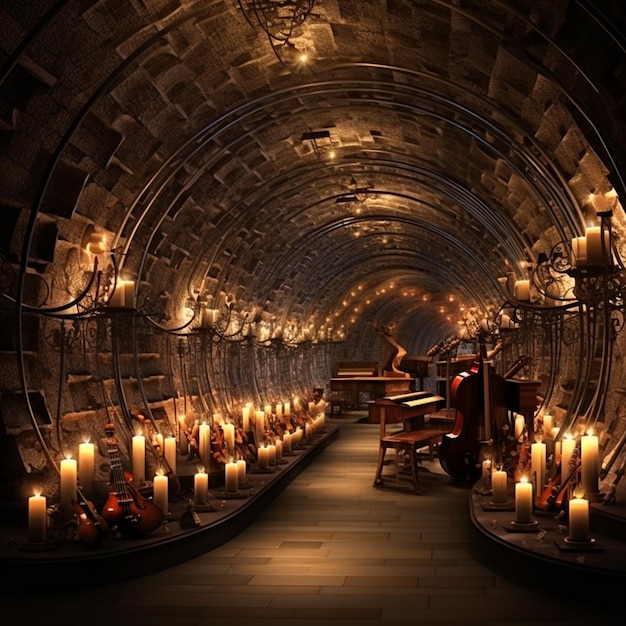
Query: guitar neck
(117, 471)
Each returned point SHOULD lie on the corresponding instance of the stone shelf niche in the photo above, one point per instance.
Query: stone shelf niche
(69, 564)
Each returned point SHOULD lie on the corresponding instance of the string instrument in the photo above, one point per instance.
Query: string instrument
(475, 394)
(554, 493)
(125, 508)
(92, 528)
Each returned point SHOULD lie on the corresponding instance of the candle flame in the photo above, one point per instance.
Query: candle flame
(37, 492)
(579, 492)
(523, 479)
(200, 469)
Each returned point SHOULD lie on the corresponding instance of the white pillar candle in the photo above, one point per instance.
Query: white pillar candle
(523, 502)
(229, 439)
(522, 290)
(597, 252)
(279, 450)
(201, 487)
(37, 518)
(579, 251)
(241, 473)
(579, 519)
(139, 460)
(263, 457)
(86, 467)
(486, 465)
(547, 426)
(160, 491)
(279, 410)
(538, 465)
(169, 452)
(204, 443)
(287, 408)
(499, 486)
(231, 477)
(590, 464)
(68, 484)
(567, 450)
(520, 422)
(287, 443)
(271, 454)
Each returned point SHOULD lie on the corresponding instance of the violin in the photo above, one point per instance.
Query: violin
(92, 528)
(125, 508)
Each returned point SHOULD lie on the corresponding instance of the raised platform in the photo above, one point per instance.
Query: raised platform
(540, 555)
(31, 568)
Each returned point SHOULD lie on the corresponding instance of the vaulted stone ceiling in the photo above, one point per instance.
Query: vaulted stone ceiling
(465, 136)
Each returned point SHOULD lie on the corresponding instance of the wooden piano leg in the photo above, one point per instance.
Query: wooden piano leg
(414, 468)
(381, 460)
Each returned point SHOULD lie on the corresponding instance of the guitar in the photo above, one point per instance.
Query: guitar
(125, 508)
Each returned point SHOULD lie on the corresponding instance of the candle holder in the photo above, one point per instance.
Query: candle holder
(522, 527)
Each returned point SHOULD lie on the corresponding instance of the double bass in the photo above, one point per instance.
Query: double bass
(478, 396)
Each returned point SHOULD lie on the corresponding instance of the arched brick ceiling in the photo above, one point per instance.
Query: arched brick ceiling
(468, 133)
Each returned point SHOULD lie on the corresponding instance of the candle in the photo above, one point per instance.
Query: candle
(231, 475)
(201, 487)
(486, 468)
(204, 443)
(124, 294)
(279, 450)
(597, 251)
(287, 408)
(139, 459)
(522, 290)
(578, 519)
(68, 484)
(229, 439)
(160, 491)
(523, 502)
(85, 467)
(279, 410)
(263, 457)
(271, 454)
(287, 443)
(590, 464)
(579, 251)
(538, 465)
(547, 426)
(241, 473)
(169, 452)
(520, 422)
(499, 486)
(37, 518)
(567, 450)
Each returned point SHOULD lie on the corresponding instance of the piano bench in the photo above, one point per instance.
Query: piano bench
(410, 441)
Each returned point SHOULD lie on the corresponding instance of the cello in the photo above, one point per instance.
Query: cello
(475, 394)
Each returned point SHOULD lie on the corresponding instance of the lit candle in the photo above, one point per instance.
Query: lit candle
(201, 487)
(287, 408)
(590, 464)
(579, 519)
(538, 465)
(231, 477)
(499, 486)
(160, 491)
(139, 459)
(169, 452)
(522, 290)
(124, 295)
(204, 443)
(271, 454)
(279, 410)
(279, 450)
(86, 467)
(37, 518)
(287, 443)
(523, 502)
(263, 457)
(241, 473)
(68, 484)
(229, 439)
(486, 468)
(567, 450)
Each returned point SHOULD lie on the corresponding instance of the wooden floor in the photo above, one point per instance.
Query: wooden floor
(330, 550)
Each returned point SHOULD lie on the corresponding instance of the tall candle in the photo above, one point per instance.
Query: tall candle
(86, 467)
(279, 450)
(201, 488)
(139, 459)
(520, 422)
(37, 518)
(271, 454)
(523, 502)
(68, 484)
(263, 457)
(567, 450)
(547, 425)
(231, 477)
(538, 465)
(287, 443)
(590, 464)
(169, 452)
(229, 439)
(499, 486)
(579, 519)
(287, 408)
(204, 443)
(160, 491)
(241, 473)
